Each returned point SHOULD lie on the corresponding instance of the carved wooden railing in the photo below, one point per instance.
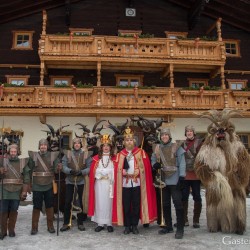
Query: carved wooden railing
(138, 98)
(239, 99)
(195, 99)
(111, 46)
(119, 98)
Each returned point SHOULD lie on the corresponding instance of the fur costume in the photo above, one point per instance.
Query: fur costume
(222, 165)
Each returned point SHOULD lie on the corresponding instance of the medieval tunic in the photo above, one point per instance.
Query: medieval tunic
(191, 148)
(171, 157)
(78, 161)
(101, 190)
(43, 167)
(143, 174)
(17, 174)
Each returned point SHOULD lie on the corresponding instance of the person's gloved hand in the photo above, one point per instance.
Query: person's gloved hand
(157, 166)
(181, 183)
(73, 172)
(3, 170)
(59, 167)
(79, 173)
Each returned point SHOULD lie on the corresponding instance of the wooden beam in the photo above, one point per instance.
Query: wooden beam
(42, 118)
(165, 72)
(195, 12)
(15, 13)
(243, 24)
(214, 72)
(67, 12)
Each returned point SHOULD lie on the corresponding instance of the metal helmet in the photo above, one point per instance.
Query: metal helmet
(43, 141)
(15, 146)
(190, 127)
(165, 131)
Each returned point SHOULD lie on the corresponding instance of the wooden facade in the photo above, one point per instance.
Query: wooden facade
(166, 63)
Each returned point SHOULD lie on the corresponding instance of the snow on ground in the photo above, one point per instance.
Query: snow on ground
(147, 239)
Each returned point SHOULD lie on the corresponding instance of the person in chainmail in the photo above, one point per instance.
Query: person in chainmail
(14, 172)
(169, 158)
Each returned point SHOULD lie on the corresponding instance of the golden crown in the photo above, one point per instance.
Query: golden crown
(106, 139)
(128, 133)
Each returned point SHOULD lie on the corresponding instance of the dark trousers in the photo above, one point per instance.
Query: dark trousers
(40, 196)
(68, 203)
(168, 192)
(158, 202)
(9, 205)
(131, 201)
(195, 185)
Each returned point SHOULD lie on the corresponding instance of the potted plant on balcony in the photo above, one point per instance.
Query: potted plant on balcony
(79, 84)
(12, 85)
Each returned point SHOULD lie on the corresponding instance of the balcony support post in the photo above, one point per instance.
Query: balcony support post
(99, 74)
(44, 22)
(171, 75)
(218, 27)
(222, 77)
(42, 71)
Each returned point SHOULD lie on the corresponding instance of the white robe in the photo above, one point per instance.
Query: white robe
(104, 178)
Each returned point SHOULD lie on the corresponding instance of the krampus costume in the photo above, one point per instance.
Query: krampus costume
(222, 165)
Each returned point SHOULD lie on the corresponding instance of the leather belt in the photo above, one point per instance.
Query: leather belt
(12, 181)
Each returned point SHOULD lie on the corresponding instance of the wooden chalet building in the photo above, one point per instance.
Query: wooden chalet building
(69, 61)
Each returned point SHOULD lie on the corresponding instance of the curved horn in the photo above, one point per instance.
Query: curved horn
(114, 128)
(212, 115)
(229, 113)
(77, 136)
(60, 129)
(51, 129)
(98, 130)
(123, 126)
(95, 126)
(83, 127)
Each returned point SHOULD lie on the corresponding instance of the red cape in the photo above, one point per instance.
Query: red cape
(148, 212)
(94, 165)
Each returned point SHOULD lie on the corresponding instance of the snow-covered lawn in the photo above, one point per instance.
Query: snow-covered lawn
(147, 239)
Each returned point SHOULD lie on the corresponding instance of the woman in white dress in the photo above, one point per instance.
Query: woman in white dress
(102, 186)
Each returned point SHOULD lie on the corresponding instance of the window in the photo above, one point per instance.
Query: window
(81, 31)
(232, 48)
(197, 83)
(245, 138)
(14, 137)
(235, 84)
(175, 35)
(129, 80)
(61, 80)
(18, 80)
(22, 40)
(67, 139)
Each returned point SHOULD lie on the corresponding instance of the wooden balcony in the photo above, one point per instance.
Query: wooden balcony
(128, 52)
(111, 101)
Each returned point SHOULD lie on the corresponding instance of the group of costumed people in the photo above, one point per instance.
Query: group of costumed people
(128, 186)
